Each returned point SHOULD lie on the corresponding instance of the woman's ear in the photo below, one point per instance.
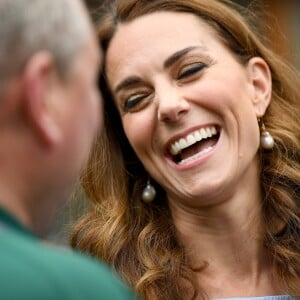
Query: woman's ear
(260, 77)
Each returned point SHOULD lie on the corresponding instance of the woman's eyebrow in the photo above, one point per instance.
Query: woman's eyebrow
(127, 83)
(177, 55)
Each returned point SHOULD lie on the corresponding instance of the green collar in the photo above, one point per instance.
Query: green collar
(9, 222)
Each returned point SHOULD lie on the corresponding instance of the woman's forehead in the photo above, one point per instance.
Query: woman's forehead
(160, 30)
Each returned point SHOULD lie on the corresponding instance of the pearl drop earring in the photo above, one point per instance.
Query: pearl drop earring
(149, 193)
(266, 139)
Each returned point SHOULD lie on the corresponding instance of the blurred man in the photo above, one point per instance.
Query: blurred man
(50, 111)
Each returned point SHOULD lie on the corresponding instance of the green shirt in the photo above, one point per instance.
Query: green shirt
(31, 270)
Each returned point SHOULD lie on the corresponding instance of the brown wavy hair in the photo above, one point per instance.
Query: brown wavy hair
(138, 239)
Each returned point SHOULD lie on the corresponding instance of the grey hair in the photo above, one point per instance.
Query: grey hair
(27, 26)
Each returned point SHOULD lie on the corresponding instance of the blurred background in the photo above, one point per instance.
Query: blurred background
(279, 23)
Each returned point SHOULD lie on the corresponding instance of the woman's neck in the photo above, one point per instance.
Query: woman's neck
(227, 239)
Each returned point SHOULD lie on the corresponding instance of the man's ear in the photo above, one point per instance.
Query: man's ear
(38, 80)
(260, 76)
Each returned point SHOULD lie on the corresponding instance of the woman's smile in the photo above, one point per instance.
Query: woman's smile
(187, 148)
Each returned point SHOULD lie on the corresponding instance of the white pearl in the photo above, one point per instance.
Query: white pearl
(266, 140)
(149, 193)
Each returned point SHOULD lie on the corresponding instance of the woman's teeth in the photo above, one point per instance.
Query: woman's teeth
(191, 139)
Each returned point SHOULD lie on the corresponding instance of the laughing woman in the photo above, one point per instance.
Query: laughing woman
(195, 184)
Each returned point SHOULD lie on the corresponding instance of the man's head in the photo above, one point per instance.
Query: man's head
(30, 26)
(49, 102)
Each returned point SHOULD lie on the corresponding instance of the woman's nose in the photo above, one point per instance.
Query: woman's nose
(172, 106)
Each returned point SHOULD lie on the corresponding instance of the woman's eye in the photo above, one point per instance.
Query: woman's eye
(191, 69)
(133, 101)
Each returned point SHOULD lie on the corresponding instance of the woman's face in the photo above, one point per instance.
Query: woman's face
(188, 108)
